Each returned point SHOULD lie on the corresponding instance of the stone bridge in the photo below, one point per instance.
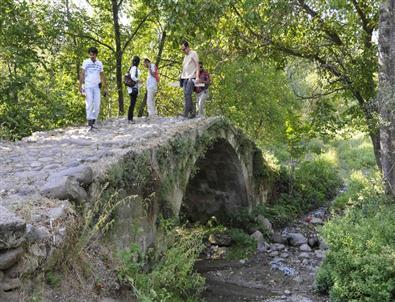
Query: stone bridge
(122, 179)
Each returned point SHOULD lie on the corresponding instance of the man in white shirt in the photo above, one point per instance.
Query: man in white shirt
(91, 79)
(190, 73)
(152, 87)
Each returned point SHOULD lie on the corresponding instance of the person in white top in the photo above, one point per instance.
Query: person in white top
(134, 72)
(91, 79)
(189, 76)
(152, 86)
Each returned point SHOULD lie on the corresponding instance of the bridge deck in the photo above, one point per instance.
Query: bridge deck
(27, 164)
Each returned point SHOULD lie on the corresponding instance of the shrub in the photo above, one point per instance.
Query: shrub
(358, 181)
(243, 247)
(315, 182)
(360, 265)
(171, 278)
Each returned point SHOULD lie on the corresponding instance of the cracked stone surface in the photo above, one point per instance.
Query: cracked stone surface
(74, 156)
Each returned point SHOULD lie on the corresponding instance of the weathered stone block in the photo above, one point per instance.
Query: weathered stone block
(64, 187)
(12, 229)
(10, 257)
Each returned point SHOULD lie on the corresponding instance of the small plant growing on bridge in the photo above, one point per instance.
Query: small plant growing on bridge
(168, 277)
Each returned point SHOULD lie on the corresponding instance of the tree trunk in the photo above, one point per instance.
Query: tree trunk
(158, 59)
(386, 95)
(118, 55)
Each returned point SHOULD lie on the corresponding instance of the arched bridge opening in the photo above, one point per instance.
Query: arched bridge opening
(216, 186)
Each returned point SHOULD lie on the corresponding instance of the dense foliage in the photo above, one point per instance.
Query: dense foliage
(360, 265)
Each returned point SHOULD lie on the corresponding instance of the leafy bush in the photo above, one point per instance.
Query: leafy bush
(358, 181)
(243, 247)
(315, 182)
(360, 265)
(172, 277)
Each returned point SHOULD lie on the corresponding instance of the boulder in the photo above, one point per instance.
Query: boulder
(37, 233)
(277, 247)
(296, 239)
(64, 187)
(305, 248)
(258, 237)
(266, 223)
(83, 174)
(12, 229)
(10, 257)
(10, 284)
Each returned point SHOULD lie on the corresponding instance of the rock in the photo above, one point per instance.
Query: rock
(37, 233)
(304, 255)
(305, 248)
(274, 254)
(1, 277)
(278, 238)
(296, 239)
(316, 220)
(83, 174)
(305, 261)
(220, 239)
(263, 247)
(10, 257)
(284, 255)
(313, 241)
(258, 237)
(10, 284)
(287, 292)
(57, 213)
(12, 229)
(277, 247)
(266, 223)
(64, 187)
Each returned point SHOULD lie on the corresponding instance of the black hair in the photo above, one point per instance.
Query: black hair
(185, 43)
(93, 49)
(147, 60)
(135, 61)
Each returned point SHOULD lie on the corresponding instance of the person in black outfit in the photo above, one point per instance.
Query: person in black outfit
(133, 91)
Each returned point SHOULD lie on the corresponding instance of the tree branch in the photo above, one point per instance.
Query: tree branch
(365, 23)
(334, 37)
(142, 21)
(93, 39)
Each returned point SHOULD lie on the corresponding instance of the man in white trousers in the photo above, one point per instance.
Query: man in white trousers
(152, 87)
(91, 80)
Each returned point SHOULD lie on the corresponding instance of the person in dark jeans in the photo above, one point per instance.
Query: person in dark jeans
(190, 73)
(133, 91)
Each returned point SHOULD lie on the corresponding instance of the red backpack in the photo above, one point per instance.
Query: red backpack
(156, 74)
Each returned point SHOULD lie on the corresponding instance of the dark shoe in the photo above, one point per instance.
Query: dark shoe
(131, 122)
(90, 123)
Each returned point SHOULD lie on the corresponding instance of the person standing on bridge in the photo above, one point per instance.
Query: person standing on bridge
(133, 91)
(188, 78)
(91, 80)
(202, 89)
(152, 86)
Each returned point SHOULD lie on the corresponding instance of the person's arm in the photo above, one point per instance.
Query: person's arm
(104, 82)
(82, 80)
(151, 69)
(197, 68)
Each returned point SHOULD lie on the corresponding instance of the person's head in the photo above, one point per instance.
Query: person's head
(147, 62)
(185, 47)
(135, 61)
(92, 51)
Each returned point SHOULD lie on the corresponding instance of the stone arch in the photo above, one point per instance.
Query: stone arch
(218, 185)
